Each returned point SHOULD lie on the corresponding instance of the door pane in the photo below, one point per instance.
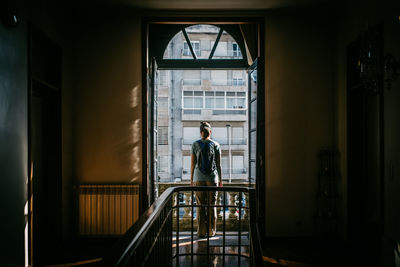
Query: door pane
(253, 145)
(253, 115)
(252, 172)
(253, 84)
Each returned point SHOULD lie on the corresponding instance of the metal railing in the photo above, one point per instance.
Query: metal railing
(221, 141)
(150, 242)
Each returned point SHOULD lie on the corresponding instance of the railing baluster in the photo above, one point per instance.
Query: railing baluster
(239, 231)
(246, 211)
(219, 202)
(177, 232)
(191, 222)
(186, 209)
(223, 231)
(232, 210)
(208, 227)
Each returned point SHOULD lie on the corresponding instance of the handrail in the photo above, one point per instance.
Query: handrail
(124, 249)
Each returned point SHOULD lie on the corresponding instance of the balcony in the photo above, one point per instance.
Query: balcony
(217, 84)
(224, 141)
(165, 234)
(237, 144)
(193, 114)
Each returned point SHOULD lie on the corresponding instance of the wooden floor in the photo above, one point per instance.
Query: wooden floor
(235, 255)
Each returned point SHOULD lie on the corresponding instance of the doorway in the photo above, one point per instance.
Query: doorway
(200, 72)
(45, 198)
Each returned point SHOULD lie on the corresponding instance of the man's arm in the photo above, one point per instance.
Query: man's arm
(192, 165)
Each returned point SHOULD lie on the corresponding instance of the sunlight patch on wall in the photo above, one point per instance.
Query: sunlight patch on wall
(135, 97)
(135, 156)
(135, 162)
(136, 131)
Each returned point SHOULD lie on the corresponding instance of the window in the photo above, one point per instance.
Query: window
(237, 78)
(221, 50)
(225, 164)
(220, 134)
(238, 164)
(237, 136)
(163, 164)
(162, 110)
(163, 135)
(219, 100)
(186, 164)
(196, 48)
(235, 100)
(190, 134)
(214, 100)
(191, 77)
(236, 50)
(237, 81)
(164, 77)
(209, 100)
(193, 99)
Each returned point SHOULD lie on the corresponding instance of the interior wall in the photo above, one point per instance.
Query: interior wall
(299, 118)
(299, 108)
(107, 98)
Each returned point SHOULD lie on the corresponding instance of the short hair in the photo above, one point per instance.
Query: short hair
(205, 127)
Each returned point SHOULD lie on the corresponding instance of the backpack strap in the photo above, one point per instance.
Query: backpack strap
(201, 144)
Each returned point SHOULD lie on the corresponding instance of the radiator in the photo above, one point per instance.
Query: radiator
(107, 209)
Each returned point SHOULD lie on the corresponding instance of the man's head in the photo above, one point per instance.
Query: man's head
(205, 129)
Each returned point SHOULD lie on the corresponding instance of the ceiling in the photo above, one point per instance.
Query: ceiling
(219, 4)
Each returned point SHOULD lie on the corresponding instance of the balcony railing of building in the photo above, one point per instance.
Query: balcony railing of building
(235, 171)
(224, 171)
(215, 112)
(164, 234)
(214, 82)
(234, 141)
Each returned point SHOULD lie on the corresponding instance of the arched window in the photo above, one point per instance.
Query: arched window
(202, 41)
(198, 46)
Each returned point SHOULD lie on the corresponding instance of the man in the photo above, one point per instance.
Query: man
(205, 170)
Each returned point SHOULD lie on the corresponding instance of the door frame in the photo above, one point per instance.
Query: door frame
(39, 84)
(145, 200)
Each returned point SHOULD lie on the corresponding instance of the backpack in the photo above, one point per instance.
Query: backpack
(207, 157)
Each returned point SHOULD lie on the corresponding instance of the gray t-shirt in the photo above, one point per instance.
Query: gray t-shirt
(198, 175)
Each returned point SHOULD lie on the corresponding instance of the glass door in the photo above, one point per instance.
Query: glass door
(153, 142)
(252, 113)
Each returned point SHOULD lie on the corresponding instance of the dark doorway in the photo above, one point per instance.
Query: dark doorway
(364, 139)
(45, 148)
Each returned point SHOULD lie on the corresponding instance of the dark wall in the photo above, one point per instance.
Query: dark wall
(391, 182)
(379, 191)
(13, 142)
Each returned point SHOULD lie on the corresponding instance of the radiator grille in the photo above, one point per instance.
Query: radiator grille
(107, 209)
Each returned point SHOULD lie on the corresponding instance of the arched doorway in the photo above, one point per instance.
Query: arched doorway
(202, 72)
